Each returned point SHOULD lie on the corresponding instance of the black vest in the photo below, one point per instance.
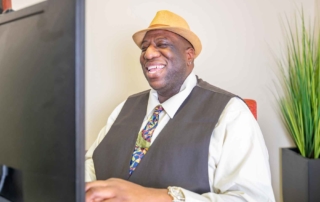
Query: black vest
(178, 156)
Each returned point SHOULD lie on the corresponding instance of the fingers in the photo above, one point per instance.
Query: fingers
(95, 184)
(101, 183)
(99, 193)
(111, 190)
(112, 200)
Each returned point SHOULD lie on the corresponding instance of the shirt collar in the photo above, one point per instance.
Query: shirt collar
(172, 105)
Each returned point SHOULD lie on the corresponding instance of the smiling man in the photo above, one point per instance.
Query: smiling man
(166, 61)
(183, 140)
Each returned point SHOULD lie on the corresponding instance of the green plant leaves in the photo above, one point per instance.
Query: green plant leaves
(300, 103)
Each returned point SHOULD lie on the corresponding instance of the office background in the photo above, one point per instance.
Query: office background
(238, 37)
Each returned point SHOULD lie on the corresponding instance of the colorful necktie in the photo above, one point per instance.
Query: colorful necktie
(144, 139)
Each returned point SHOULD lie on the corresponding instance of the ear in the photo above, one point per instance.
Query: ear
(190, 54)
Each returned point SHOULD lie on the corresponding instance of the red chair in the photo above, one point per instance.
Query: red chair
(252, 104)
(6, 6)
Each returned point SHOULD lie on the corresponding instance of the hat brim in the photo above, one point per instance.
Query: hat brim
(187, 34)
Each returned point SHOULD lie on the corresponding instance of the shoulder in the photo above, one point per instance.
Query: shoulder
(207, 86)
(237, 104)
(237, 112)
(146, 92)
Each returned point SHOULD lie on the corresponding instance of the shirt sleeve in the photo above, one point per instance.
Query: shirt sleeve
(90, 174)
(238, 159)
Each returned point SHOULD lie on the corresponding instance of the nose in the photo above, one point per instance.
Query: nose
(151, 52)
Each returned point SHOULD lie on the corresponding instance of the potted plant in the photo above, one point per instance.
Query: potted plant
(300, 111)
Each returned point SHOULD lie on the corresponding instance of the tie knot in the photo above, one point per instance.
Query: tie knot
(158, 109)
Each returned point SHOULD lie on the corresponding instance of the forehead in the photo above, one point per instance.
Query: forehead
(154, 34)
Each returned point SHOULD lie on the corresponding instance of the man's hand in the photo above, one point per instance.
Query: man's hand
(118, 190)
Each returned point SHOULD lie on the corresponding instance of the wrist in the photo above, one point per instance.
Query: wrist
(159, 195)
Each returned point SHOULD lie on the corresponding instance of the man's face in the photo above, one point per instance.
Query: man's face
(164, 59)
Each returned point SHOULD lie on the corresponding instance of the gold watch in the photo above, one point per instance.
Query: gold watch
(176, 193)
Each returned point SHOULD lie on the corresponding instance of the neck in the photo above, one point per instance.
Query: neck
(167, 92)
(165, 95)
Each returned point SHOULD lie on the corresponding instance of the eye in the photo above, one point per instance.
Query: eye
(144, 48)
(162, 45)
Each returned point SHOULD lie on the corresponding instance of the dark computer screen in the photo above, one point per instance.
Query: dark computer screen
(1, 9)
(42, 102)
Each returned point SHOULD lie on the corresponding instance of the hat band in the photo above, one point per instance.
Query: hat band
(158, 25)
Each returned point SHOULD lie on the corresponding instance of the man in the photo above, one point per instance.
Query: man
(184, 140)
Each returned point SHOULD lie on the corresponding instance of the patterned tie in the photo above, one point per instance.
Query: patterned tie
(144, 139)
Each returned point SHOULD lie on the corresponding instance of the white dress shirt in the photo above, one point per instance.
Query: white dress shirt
(238, 161)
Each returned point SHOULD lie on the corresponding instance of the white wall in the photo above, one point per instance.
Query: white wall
(317, 11)
(19, 4)
(237, 36)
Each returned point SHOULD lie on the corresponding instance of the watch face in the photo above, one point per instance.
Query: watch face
(176, 193)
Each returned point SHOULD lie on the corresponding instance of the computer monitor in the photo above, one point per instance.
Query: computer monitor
(42, 102)
(1, 9)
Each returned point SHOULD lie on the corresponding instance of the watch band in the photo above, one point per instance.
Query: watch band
(176, 193)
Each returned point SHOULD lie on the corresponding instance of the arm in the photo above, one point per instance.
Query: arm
(116, 188)
(121, 190)
(238, 159)
(90, 174)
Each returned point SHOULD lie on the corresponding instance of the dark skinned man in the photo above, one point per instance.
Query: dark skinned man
(183, 140)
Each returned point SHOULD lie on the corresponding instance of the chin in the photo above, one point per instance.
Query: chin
(155, 83)
(156, 86)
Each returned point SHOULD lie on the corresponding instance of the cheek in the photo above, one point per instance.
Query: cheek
(175, 56)
(168, 53)
(142, 58)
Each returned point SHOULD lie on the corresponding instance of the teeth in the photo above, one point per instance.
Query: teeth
(155, 67)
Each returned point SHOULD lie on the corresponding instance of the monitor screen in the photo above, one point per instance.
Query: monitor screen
(1, 8)
(42, 102)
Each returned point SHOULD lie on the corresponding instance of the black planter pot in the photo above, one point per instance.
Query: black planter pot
(300, 177)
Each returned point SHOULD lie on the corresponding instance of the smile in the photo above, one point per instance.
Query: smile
(154, 68)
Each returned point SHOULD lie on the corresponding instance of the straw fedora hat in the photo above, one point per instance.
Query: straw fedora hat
(172, 22)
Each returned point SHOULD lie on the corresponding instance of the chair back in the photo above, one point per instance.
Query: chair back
(252, 104)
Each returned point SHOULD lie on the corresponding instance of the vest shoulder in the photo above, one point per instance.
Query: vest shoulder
(207, 86)
(139, 94)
